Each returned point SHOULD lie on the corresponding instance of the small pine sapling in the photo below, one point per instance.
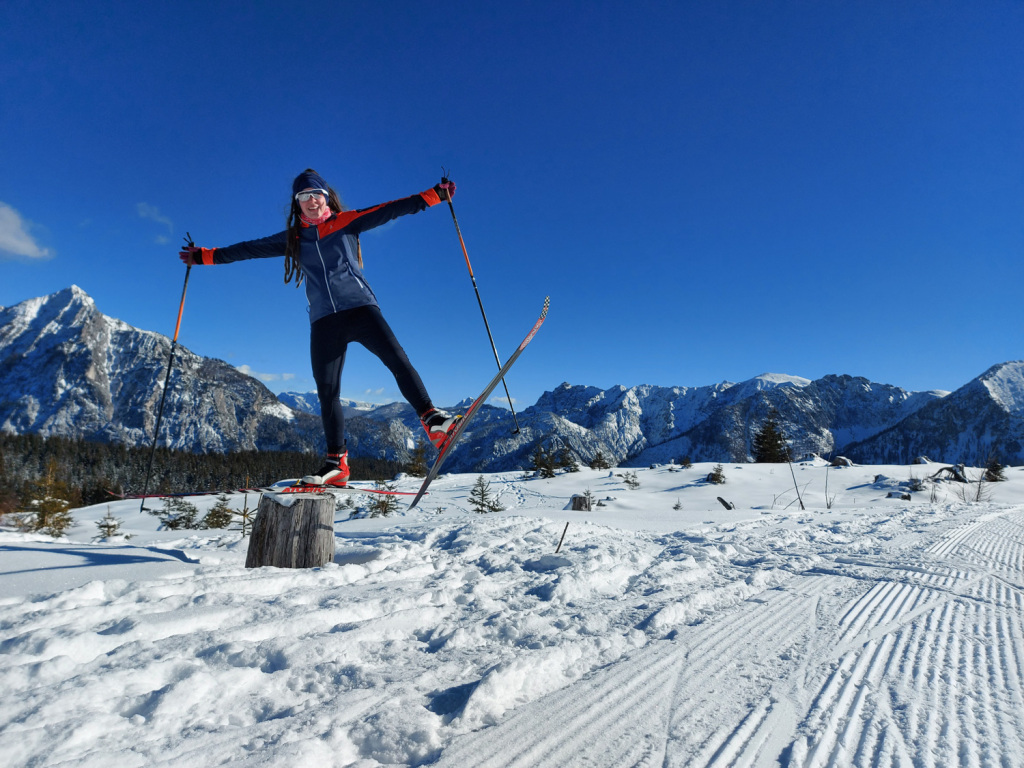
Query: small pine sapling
(382, 504)
(50, 515)
(994, 471)
(108, 525)
(47, 508)
(219, 516)
(178, 514)
(480, 497)
(717, 475)
(915, 484)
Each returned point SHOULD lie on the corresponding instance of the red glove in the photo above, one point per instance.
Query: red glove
(446, 189)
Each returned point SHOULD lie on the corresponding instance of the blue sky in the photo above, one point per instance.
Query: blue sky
(707, 190)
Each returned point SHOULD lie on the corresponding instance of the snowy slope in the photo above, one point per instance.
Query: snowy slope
(863, 631)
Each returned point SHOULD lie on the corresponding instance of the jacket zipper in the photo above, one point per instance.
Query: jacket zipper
(327, 282)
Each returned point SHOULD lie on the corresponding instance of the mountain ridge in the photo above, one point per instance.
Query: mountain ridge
(67, 369)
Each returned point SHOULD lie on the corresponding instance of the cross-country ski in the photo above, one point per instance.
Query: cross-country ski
(283, 487)
(463, 422)
(340, 489)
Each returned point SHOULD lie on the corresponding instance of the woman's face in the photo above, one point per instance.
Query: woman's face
(315, 206)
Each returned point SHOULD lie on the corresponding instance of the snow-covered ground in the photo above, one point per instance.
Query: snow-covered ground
(864, 631)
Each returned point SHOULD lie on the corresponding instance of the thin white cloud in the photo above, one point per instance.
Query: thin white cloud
(15, 240)
(267, 377)
(147, 211)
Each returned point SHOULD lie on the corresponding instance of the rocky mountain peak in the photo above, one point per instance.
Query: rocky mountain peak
(1005, 384)
(67, 369)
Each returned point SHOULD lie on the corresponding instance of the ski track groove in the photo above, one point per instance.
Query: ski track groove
(923, 676)
(714, 651)
(947, 661)
(664, 696)
(622, 688)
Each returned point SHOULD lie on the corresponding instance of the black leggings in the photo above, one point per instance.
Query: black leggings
(329, 338)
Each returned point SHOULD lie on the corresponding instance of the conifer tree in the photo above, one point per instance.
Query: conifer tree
(220, 515)
(769, 443)
(480, 497)
(382, 504)
(178, 514)
(717, 475)
(994, 471)
(108, 526)
(543, 462)
(599, 462)
(47, 507)
(418, 459)
(566, 460)
(8, 497)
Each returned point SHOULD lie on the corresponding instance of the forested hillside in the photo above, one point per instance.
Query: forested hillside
(92, 471)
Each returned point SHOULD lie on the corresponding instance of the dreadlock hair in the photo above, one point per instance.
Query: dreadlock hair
(291, 249)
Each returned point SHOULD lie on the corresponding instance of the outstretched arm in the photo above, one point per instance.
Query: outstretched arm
(368, 218)
(264, 248)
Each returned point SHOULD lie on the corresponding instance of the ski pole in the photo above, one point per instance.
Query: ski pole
(564, 531)
(479, 301)
(167, 379)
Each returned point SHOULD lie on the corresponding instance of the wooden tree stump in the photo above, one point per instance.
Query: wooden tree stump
(295, 535)
(579, 503)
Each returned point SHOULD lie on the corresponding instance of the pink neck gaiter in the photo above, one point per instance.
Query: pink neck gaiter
(314, 222)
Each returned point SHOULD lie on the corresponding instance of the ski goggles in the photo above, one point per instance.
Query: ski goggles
(304, 196)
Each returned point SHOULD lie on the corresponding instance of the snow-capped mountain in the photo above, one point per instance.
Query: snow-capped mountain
(307, 402)
(648, 424)
(983, 418)
(67, 369)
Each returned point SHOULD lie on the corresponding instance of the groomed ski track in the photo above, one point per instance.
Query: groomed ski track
(925, 669)
(879, 633)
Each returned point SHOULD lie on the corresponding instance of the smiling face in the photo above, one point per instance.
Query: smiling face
(315, 206)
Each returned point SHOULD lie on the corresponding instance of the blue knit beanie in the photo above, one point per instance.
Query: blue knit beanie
(307, 180)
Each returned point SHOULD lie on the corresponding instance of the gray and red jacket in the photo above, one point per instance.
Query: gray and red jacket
(327, 253)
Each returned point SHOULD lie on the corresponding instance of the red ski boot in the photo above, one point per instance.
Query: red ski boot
(439, 426)
(334, 472)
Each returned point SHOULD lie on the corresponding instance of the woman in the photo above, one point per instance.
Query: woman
(321, 248)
